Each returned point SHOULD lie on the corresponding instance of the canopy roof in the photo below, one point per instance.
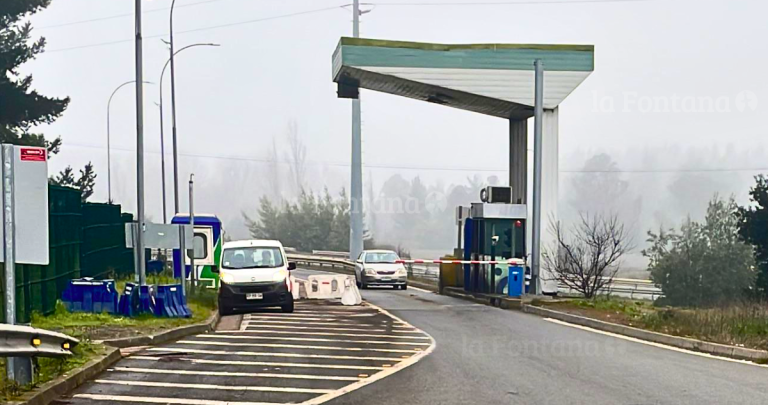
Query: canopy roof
(492, 79)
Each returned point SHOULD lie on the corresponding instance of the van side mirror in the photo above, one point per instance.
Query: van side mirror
(291, 265)
(358, 261)
(215, 270)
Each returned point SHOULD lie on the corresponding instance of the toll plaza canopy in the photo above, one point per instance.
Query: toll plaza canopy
(492, 79)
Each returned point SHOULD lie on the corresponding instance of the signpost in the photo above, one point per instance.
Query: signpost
(25, 229)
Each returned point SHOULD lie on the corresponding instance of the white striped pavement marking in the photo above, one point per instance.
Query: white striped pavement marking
(296, 318)
(215, 387)
(288, 332)
(268, 354)
(162, 400)
(282, 346)
(318, 328)
(261, 363)
(306, 339)
(253, 322)
(375, 377)
(234, 374)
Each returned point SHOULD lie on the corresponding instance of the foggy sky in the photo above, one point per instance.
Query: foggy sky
(687, 73)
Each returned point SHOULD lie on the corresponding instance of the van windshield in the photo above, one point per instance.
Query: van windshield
(252, 257)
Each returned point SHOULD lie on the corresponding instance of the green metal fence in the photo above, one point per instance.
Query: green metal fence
(38, 287)
(103, 252)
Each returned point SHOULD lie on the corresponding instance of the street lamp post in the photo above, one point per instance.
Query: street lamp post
(162, 137)
(109, 157)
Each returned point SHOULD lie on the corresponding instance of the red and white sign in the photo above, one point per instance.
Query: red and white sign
(32, 154)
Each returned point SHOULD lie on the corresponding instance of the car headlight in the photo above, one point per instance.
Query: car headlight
(401, 272)
(370, 272)
(227, 278)
(280, 275)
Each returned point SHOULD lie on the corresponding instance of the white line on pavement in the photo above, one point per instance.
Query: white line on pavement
(260, 363)
(288, 332)
(283, 346)
(318, 328)
(234, 374)
(654, 344)
(307, 339)
(420, 289)
(268, 354)
(376, 377)
(259, 322)
(158, 400)
(295, 318)
(215, 387)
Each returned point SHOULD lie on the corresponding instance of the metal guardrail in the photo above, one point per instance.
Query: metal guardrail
(26, 341)
(626, 287)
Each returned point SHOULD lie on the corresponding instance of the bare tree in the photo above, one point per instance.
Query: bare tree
(297, 157)
(587, 258)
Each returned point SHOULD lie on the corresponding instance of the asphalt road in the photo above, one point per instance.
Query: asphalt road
(486, 355)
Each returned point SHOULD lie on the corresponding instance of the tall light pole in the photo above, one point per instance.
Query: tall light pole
(109, 157)
(140, 265)
(537, 165)
(162, 137)
(173, 119)
(356, 177)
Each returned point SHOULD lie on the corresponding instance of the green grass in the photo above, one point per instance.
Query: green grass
(740, 323)
(88, 327)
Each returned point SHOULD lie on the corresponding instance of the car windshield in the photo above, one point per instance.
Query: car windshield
(251, 258)
(378, 257)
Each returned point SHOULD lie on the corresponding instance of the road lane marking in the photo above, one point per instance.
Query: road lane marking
(295, 318)
(215, 387)
(233, 374)
(654, 344)
(260, 363)
(161, 400)
(287, 332)
(269, 354)
(306, 339)
(311, 328)
(397, 366)
(284, 346)
(261, 322)
(420, 289)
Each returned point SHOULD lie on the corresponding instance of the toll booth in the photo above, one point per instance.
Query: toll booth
(493, 232)
(207, 242)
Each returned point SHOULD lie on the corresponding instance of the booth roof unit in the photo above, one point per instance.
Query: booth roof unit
(492, 79)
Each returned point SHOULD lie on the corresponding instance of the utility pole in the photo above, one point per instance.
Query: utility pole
(356, 188)
(538, 113)
(193, 275)
(140, 265)
(182, 247)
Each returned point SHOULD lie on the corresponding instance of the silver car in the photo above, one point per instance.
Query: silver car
(378, 268)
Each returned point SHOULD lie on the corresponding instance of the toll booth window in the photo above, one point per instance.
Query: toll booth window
(200, 246)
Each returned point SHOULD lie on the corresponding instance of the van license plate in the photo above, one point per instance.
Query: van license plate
(254, 296)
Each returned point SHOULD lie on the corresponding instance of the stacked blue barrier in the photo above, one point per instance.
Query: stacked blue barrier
(170, 302)
(89, 295)
(137, 300)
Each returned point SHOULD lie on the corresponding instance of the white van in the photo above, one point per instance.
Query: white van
(254, 274)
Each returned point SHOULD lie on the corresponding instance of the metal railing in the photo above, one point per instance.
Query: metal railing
(624, 287)
(26, 341)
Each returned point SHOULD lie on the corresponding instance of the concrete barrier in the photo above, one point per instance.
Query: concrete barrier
(326, 286)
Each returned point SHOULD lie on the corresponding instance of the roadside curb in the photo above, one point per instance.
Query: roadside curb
(422, 285)
(716, 349)
(167, 336)
(485, 299)
(52, 390)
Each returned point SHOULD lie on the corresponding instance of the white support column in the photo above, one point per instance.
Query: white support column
(549, 187)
